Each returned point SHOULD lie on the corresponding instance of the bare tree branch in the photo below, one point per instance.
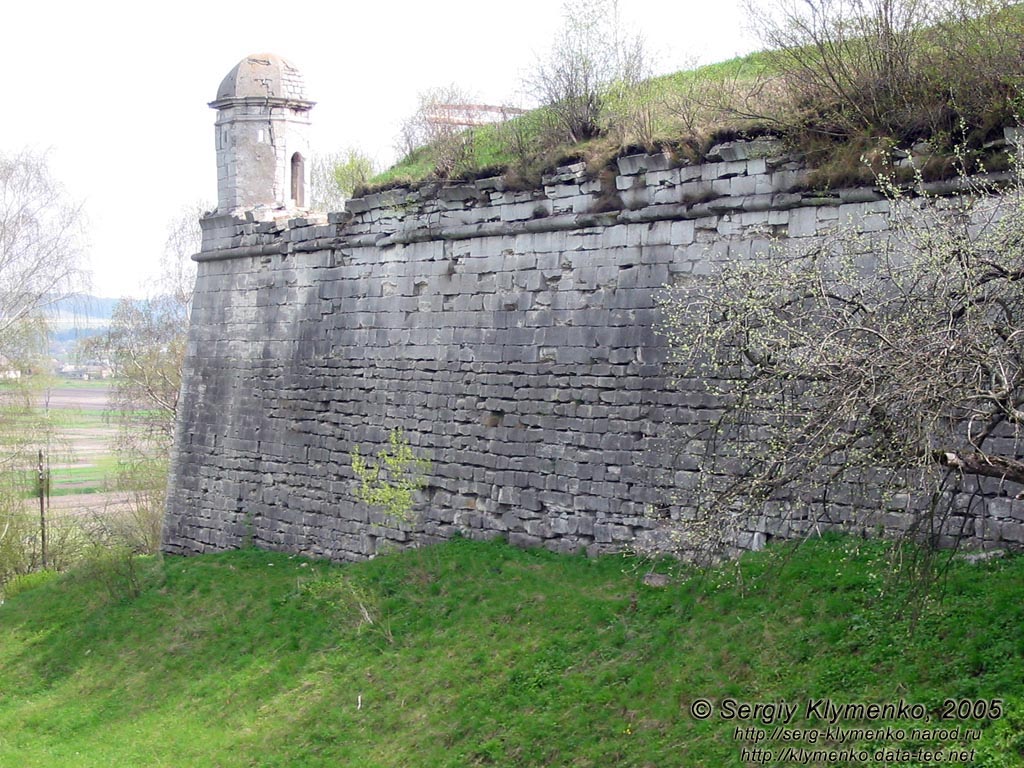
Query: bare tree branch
(876, 363)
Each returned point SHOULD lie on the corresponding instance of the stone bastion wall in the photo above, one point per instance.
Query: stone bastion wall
(511, 336)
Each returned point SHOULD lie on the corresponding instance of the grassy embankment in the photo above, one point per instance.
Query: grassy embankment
(479, 654)
(524, 147)
(851, 95)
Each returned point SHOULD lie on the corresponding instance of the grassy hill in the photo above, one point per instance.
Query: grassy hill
(529, 145)
(851, 89)
(479, 654)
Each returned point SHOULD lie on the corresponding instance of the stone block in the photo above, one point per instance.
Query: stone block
(663, 195)
(623, 183)
(742, 185)
(524, 540)
(803, 222)
(635, 198)
(724, 170)
(666, 178)
(762, 147)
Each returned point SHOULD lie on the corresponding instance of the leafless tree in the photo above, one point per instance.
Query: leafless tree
(435, 123)
(41, 232)
(146, 340)
(177, 270)
(889, 363)
(592, 61)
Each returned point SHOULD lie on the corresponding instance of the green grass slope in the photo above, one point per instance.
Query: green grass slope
(473, 654)
(837, 86)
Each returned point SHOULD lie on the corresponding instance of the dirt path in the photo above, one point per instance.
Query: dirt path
(91, 398)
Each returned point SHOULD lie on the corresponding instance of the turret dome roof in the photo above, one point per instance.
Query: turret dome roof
(262, 76)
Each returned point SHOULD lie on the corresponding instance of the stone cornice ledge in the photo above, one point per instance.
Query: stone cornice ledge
(559, 223)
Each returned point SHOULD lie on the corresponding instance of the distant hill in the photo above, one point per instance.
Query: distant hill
(84, 311)
(76, 318)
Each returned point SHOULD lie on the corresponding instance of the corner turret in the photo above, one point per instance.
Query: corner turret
(262, 136)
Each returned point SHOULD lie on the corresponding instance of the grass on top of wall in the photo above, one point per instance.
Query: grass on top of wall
(942, 80)
(475, 654)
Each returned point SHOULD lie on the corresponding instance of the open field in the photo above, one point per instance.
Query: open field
(81, 458)
(86, 507)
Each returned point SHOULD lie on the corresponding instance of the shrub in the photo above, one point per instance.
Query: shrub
(592, 64)
(392, 481)
(905, 69)
(436, 122)
(349, 604)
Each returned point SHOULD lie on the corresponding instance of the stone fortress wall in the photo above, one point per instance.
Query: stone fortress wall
(511, 336)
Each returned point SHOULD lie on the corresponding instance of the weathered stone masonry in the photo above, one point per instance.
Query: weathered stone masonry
(509, 334)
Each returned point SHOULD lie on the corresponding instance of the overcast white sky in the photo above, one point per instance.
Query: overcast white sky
(118, 91)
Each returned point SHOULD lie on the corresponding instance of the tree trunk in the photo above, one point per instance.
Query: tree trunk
(981, 464)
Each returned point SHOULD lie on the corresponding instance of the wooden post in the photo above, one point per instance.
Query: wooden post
(42, 509)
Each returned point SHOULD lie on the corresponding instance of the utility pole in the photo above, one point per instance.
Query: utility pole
(42, 508)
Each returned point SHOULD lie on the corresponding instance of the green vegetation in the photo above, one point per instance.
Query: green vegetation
(63, 383)
(335, 175)
(391, 482)
(78, 444)
(480, 654)
(527, 146)
(95, 477)
(77, 449)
